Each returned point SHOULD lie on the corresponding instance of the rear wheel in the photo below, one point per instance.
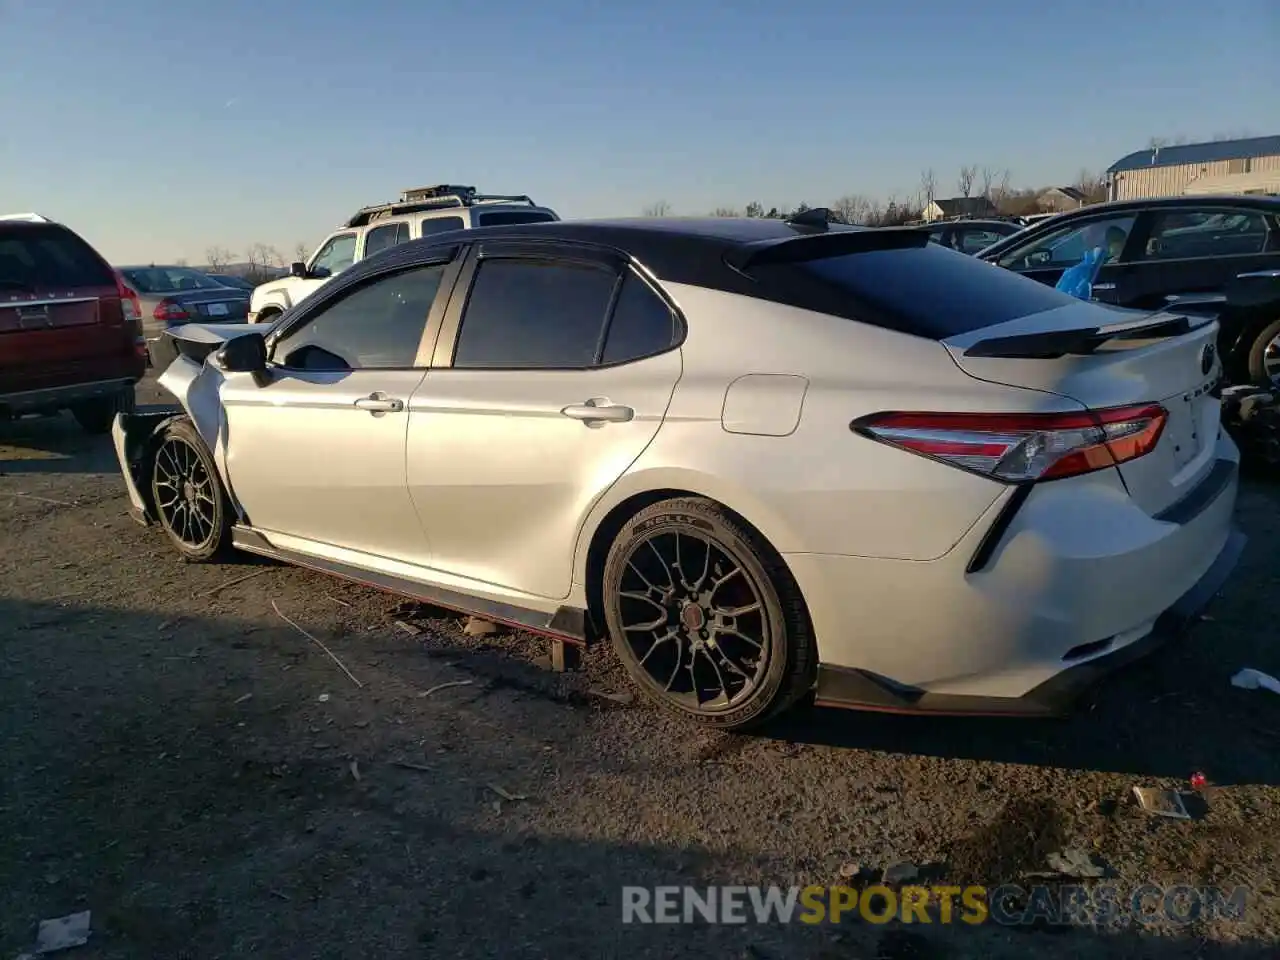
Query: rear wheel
(96, 416)
(1264, 356)
(705, 617)
(190, 502)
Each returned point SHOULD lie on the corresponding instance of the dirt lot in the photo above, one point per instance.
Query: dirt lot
(192, 769)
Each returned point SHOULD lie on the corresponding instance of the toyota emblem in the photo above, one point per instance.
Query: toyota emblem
(1207, 357)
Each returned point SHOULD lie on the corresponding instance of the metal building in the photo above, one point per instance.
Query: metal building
(1170, 171)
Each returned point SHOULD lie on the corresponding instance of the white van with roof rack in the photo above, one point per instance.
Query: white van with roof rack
(420, 212)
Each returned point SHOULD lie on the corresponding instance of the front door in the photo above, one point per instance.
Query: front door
(317, 453)
(1047, 257)
(541, 396)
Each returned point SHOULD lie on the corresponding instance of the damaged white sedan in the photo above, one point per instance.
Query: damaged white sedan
(766, 460)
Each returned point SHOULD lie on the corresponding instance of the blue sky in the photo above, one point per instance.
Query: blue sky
(158, 128)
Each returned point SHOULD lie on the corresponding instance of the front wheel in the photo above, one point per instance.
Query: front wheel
(187, 492)
(705, 617)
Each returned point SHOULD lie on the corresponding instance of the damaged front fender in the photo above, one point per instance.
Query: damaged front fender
(136, 437)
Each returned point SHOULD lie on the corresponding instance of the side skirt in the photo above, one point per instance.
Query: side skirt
(567, 623)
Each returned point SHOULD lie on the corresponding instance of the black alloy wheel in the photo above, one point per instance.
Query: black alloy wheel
(188, 495)
(705, 617)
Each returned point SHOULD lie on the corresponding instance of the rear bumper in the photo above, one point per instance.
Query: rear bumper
(52, 398)
(842, 687)
(1072, 580)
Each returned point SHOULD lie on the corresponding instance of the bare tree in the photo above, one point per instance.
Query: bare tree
(995, 185)
(754, 209)
(851, 208)
(659, 208)
(964, 183)
(725, 212)
(301, 250)
(262, 257)
(181, 262)
(218, 258)
(1092, 185)
(928, 187)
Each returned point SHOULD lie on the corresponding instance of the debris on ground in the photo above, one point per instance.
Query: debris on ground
(1076, 863)
(445, 686)
(1250, 679)
(1162, 803)
(409, 628)
(898, 873)
(318, 643)
(355, 771)
(475, 627)
(505, 794)
(243, 698)
(323, 698)
(63, 933)
(232, 582)
(406, 765)
(1197, 780)
(620, 697)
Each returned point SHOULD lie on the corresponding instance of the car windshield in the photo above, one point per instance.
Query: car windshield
(168, 279)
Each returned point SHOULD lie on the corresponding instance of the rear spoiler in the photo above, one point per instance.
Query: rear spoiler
(819, 246)
(1052, 344)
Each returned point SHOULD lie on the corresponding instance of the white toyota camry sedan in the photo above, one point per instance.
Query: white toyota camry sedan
(766, 460)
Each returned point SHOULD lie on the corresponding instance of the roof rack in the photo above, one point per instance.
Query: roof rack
(26, 217)
(417, 199)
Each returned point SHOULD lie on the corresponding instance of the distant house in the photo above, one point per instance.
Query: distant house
(1171, 171)
(1058, 199)
(958, 207)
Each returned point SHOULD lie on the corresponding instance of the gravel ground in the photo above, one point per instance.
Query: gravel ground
(187, 765)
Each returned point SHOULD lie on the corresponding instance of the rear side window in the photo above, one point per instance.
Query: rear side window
(43, 259)
(498, 218)
(930, 291)
(534, 314)
(642, 324)
(387, 235)
(435, 225)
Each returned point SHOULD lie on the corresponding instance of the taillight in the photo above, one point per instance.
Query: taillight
(167, 311)
(1018, 447)
(129, 303)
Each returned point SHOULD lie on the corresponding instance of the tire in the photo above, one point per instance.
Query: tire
(187, 493)
(660, 628)
(1257, 356)
(96, 416)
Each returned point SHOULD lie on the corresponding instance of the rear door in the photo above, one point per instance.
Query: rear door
(61, 318)
(1198, 250)
(553, 372)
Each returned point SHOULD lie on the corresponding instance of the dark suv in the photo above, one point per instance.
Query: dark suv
(69, 327)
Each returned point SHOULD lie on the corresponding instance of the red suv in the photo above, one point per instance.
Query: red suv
(70, 335)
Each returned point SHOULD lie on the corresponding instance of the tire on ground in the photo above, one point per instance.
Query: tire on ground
(1258, 351)
(181, 432)
(792, 663)
(96, 416)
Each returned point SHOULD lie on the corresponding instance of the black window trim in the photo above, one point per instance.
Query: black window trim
(554, 251)
(430, 332)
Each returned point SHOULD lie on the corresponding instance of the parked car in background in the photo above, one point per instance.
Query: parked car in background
(420, 212)
(970, 236)
(1217, 254)
(763, 458)
(170, 294)
(69, 332)
(236, 283)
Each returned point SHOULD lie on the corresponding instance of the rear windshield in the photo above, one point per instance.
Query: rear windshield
(169, 279)
(43, 259)
(496, 218)
(933, 292)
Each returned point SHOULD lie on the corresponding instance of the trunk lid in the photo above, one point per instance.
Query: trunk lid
(1103, 356)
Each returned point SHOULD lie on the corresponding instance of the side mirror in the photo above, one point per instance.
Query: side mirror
(244, 354)
(298, 269)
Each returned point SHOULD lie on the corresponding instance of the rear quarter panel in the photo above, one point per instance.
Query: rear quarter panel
(820, 488)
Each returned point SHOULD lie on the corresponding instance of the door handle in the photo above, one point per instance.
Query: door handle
(1258, 275)
(598, 411)
(1104, 286)
(379, 403)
